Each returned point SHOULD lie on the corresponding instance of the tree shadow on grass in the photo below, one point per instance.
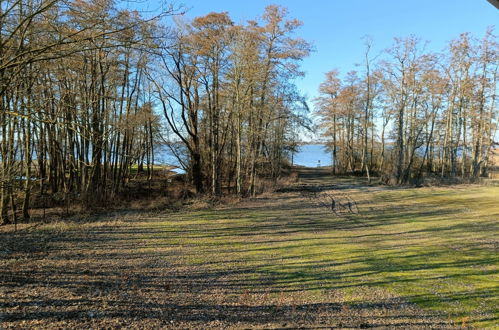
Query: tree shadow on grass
(325, 314)
(96, 281)
(100, 292)
(250, 256)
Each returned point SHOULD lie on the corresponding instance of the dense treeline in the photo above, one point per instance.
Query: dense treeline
(73, 108)
(81, 82)
(412, 113)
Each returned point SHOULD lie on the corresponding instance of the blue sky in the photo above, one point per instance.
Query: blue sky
(336, 27)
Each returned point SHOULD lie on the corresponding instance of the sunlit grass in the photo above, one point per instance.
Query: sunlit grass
(412, 257)
(436, 247)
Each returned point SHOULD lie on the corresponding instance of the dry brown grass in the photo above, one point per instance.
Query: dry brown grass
(275, 261)
(106, 274)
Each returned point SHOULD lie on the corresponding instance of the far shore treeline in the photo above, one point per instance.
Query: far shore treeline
(88, 90)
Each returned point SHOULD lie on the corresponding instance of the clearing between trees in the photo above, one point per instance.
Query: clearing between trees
(408, 257)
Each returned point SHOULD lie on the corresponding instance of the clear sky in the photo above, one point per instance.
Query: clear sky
(336, 27)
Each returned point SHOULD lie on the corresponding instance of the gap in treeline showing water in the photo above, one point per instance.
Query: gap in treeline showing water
(309, 155)
(312, 155)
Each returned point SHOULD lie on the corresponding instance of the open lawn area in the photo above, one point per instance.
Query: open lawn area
(408, 257)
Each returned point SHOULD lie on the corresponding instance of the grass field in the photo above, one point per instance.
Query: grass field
(410, 257)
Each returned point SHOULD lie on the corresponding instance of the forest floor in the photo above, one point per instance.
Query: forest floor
(384, 257)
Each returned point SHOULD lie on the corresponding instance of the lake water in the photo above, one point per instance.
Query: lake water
(309, 155)
(164, 155)
(312, 155)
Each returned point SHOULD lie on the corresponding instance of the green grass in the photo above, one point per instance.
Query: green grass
(436, 247)
(411, 258)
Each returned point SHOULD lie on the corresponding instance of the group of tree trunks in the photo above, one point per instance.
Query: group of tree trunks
(227, 93)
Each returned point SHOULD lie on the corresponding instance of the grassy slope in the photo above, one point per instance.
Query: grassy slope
(280, 259)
